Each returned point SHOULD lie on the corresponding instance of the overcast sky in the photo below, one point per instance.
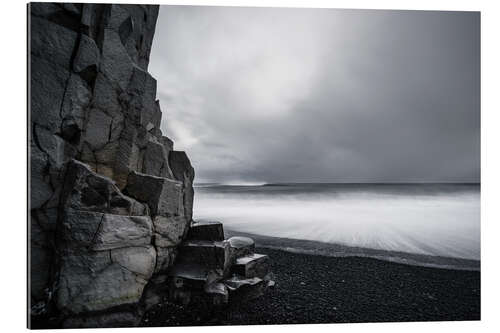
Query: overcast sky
(320, 95)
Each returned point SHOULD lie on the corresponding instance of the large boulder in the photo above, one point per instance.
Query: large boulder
(212, 255)
(163, 195)
(154, 161)
(92, 281)
(252, 265)
(206, 230)
(88, 191)
(98, 231)
(169, 231)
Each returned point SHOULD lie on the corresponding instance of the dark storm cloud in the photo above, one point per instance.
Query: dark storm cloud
(309, 95)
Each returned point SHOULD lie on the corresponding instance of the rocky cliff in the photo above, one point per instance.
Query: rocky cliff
(111, 230)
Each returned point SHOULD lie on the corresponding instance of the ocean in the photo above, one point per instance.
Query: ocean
(422, 224)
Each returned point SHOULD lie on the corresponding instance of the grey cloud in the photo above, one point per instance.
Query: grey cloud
(310, 95)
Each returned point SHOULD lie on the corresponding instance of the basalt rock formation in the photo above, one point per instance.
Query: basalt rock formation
(111, 230)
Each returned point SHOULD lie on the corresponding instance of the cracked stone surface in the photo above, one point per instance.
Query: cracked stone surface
(110, 199)
(95, 120)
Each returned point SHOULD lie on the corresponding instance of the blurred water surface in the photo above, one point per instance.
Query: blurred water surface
(427, 219)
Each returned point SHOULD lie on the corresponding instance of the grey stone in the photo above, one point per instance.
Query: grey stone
(86, 190)
(52, 42)
(98, 231)
(128, 40)
(40, 260)
(76, 98)
(155, 161)
(40, 189)
(97, 129)
(76, 273)
(163, 196)
(106, 155)
(140, 260)
(142, 83)
(87, 156)
(51, 144)
(169, 231)
(48, 84)
(206, 230)
(165, 257)
(252, 265)
(181, 166)
(156, 290)
(115, 62)
(147, 40)
(92, 99)
(212, 255)
(167, 143)
(244, 289)
(73, 8)
(183, 171)
(106, 95)
(142, 94)
(218, 293)
(87, 54)
(118, 15)
(188, 198)
(91, 282)
(44, 10)
(86, 18)
(74, 106)
(156, 115)
(188, 276)
(128, 157)
(46, 217)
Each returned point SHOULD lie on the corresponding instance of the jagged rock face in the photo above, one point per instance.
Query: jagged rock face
(110, 199)
(111, 202)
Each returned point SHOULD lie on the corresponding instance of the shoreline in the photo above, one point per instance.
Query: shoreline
(318, 248)
(313, 289)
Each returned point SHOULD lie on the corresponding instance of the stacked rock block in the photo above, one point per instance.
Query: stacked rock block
(110, 199)
(212, 268)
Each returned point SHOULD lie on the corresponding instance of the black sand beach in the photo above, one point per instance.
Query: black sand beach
(320, 289)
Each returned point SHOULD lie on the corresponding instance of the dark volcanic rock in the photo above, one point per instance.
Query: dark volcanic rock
(163, 195)
(211, 255)
(86, 60)
(86, 190)
(252, 265)
(206, 230)
(110, 200)
(99, 231)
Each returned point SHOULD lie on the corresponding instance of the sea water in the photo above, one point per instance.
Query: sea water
(423, 219)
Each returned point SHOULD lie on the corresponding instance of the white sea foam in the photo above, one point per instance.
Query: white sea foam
(435, 223)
